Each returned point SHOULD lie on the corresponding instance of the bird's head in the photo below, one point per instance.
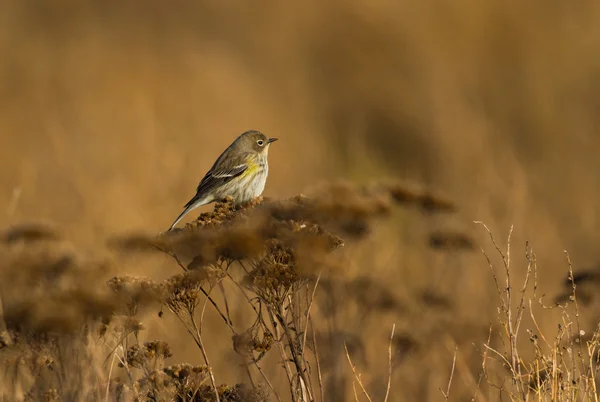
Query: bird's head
(256, 141)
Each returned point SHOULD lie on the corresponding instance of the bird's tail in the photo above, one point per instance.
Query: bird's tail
(191, 205)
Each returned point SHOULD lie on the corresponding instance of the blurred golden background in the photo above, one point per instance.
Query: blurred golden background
(111, 112)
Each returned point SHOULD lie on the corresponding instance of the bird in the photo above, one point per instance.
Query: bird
(240, 173)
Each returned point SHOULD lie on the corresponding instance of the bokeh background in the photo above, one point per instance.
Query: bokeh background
(111, 112)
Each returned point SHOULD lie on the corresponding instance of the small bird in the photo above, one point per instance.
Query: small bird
(240, 172)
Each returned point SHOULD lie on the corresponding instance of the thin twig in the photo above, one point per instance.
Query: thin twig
(356, 375)
(184, 268)
(316, 353)
(537, 326)
(243, 292)
(483, 372)
(222, 289)
(389, 383)
(283, 354)
(264, 376)
(312, 297)
(109, 376)
(574, 287)
(199, 333)
(292, 343)
(14, 201)
(447, 393)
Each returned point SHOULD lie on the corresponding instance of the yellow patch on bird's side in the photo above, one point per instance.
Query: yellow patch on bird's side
(253, 168)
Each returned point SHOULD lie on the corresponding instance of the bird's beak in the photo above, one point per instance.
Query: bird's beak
(270, 140)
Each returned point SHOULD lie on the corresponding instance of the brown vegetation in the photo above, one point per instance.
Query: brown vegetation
(111, 112)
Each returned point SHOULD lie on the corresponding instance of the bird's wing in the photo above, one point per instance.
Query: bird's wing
(219, 175)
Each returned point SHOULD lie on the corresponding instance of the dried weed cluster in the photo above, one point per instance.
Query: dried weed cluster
(553, 367)
(72, 329)
(74, 334)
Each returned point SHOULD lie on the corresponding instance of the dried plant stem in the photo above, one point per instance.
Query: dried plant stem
(285, 359)
(316, 353)
(255, 362)
(511, 324)
(112, 364)
(124, 360)
(212, 301)
(204, 355)
(483, 372)
(356, 375)
(389, 383)
(222, 289)
(14, 201)
(574, 295)
(447, 393)
(243, 291)
(592, 371)
(354, 390)
(310, 302)
(298, 361)
(264, 376)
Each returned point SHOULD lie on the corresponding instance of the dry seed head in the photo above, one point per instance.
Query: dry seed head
(237, 236)
(405, 193)
(157, 382)
(184, 290)
(223, 211)
(52, 395)
(6, 339)
(134, 357)
(411, 194)
(341, 207)
(126, 324)
(58, 312)
(64, 289)
(192, 244)
(365, 292)
(156, 351)
(187, 372)
(239, 243)
(137, 243)
(450, 241)
(243, 393)
(32, 232)
(249, 341)
(275, 273)
(133, 292)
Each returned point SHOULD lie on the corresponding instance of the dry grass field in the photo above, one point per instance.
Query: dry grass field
(401, 123)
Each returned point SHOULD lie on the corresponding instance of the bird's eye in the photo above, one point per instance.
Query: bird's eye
(260, 143)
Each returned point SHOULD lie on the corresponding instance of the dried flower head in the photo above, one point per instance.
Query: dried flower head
(254, 339)
(184, 290)
(340, 207)
(30, 233)
(450, 241)
(411, 194)
(273, 275)
(137, 243)
(124, 324)
(134, 292)
(151, 355)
